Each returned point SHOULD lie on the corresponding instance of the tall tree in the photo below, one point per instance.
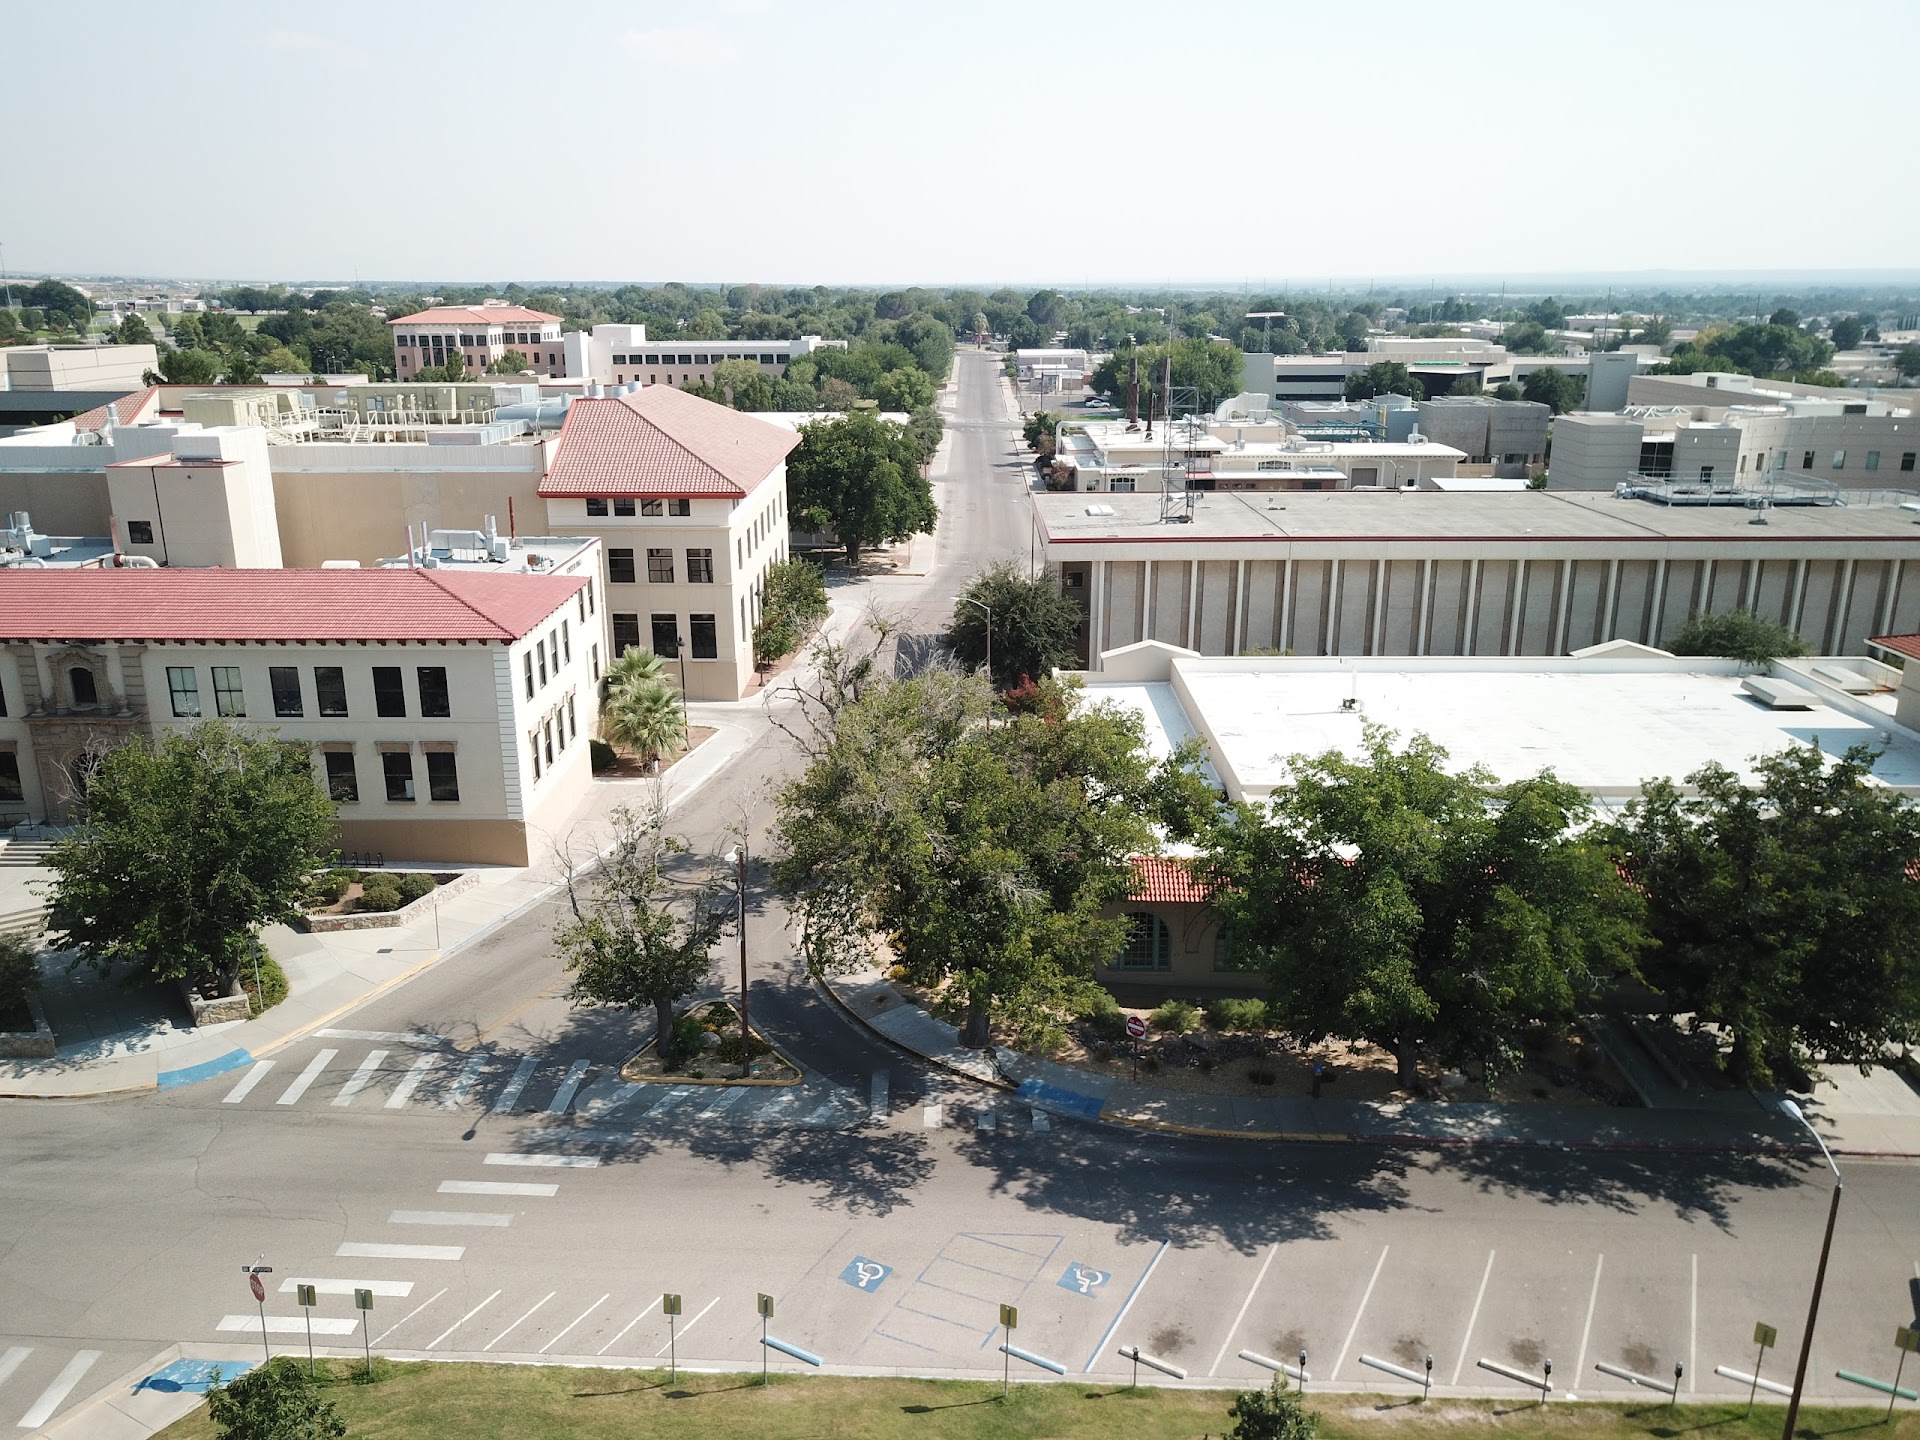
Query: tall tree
(1032, 625)
(192, 844)
(132, 330)
(1784, 912)
(1384, 377)
(860, 478)
(275, 1401)
(189, 367)
(1554, 388)
(1432, 912)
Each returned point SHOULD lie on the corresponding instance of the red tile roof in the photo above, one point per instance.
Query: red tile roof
(475, 315)
(1158, 880)
(219, 604)
(1907, 645)
(659, 442)
(126, 410)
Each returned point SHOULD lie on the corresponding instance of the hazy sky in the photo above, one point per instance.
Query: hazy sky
(975, 140)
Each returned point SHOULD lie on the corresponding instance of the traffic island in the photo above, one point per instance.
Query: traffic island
(708, 1037)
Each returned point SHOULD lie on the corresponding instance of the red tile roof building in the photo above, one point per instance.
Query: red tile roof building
(479, 335)
(661, 443)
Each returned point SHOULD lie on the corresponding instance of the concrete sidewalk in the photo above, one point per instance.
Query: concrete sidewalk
(331, 974)
(1070, 1090)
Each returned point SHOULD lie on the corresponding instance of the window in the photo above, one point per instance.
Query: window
(684, 360)
(533, 740)
(330, 691)
(546, 736)
(228, 698)
(185, 692)
(595, 650)
(434, 701)
(592, 604)
(540, 650)
(701, 359)
(10, 786)
(623, 508)
(1147, 945)
(1806, 461)
(1906, 461)
(566, 643)
(527, 658)
(1873, 459)
(343, 784)
(739, 553)
(85, 693)
(651, 507)
(679, 507)
(659, 567)
(626, 636)
(699, 567)
(1706, 475)
(620, 567)
(139, 532)
(389, 692)
(573, 727)
(284, 681)
(666, 636)
(398, 765)
(703, 635)
(597, 508)
(443, 777)
(1839, 459)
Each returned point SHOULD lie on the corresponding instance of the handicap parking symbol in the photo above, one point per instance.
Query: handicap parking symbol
(865, 1274)
(1084, 1279)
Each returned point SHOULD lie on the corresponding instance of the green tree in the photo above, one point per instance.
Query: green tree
(274, 1401)
(1274, 1413)
(1906, 360)
(1753, 640)
(1384, 377)
(1507, 390)
(240, 368)
(9, 324)
(19, 981)
(646, 716)
(638, 937)
(1210, 368)
(31, 319)
(1528, 337)
(926, 427)
(860, 477)
(1554, 388)
(1039, 430)
(192, 844)
(1845, 332)
(132, 330)
(511, 362)
(1432, 912)
(1784, 911)
(189, 367)
(793, 601)
(1034, 626)
(58, 301)
(1353, 328)
(185, 332)
(903, 390)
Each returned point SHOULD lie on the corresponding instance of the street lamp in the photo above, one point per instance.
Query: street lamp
(737, 857)
(1793, 1111)
(969, 600)
(686, 731)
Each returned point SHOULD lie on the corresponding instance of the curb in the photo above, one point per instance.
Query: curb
(823, 983)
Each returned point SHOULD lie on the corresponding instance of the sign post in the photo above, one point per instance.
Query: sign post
(253, 1274)
(1764, 1335)
(766, 1314)
(306, 1298)
(363, 1302)
(670, 1307)
(1009, 1322)
(1906, 1340)
(1136, 1030)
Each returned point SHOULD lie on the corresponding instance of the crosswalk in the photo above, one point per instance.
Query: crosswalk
(39, 1381)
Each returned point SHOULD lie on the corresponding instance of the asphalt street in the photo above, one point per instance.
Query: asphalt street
(463, 1146)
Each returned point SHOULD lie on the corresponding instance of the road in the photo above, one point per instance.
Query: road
(462, 1146)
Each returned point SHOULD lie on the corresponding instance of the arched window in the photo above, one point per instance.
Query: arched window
(1148, 945)
(80, 682)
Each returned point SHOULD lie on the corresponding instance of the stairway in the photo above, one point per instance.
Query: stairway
(21, 853)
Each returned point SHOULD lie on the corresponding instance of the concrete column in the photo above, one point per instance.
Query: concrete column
(1516, 597)
(1473, 607)
(1333, 605)
(1379, 604)
(1240, 609)
(1426, 608)
(1703, 597)
(1893, 594)
(1097, 614)
(1837, 629)
(1565, 608)
(1652, 635)
(1193, 605)
(1286, 603)
(1750, 587)
(1146, 602)
(1608, 624)
(1799, 595)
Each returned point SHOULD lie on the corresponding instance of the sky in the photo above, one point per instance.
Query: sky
(974, 141)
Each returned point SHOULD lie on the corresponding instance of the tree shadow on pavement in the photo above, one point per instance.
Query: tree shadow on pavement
(1695, 1186)
(861, 1173)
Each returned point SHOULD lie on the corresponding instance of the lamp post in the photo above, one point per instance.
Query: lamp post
(1793, 1111)
(737, 857)
(680, 651)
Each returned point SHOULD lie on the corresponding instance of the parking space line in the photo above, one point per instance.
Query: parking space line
(416, 1072)
(1473, 1318)
(688, 1326)
(252, 1078)
(463, 1319)
(1132, 1296)
(307, 1077)
(623, 1331)
(409, 1315)
(583, 1315)
(1593, 1298)
(1234, 1328)
(62, 1386)
(518, 1323)
(10, 1360)
(357, 1081)
(1354, 1329)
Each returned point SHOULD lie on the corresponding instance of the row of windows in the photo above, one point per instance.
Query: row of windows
(1150, 947)
(709, 359)
(560, 722)
(1873, 460)
(621, 569)
(702, 638)
(421, 342)
(598, 506)
(289, 700)
(396, 769)
(559, 645)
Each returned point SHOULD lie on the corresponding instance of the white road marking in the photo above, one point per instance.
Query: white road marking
(307, 1077)
(252, 1078)
(1593, 1298)
(393, 1289)
(494, 1187)
(1693, 1320)
(357, 1081)
(462, 1086)
(1041, 1123)
(583, 1315)
(285, 1325)
(623, 1331)
(569, 1087)
(880, 1096)
(510, 1096)
(463, 1319)
(416, 1072)
(491, 1220)
(366, 1250)
(390, 1037)
(14, 1354)
(58, 1391)
(1138, 1286)
(725, 1100)
(518, 1323)
(672, 1098)
(409, 1315)
(930, 1117)
(570, 1162)
(686, 1327)
(1354, 1328)
(1234, 1328)
(1473, 1318)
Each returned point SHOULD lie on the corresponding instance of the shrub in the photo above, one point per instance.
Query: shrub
(1176, 1017)
(378, 893)
(19, 979)
(415, 885)
(273, 983)
(1237, 1014)
(684, 1043)
(727, 1052)
(1103, 1016)
(600, 755)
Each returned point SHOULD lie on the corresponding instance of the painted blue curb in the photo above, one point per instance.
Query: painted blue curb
(205, 1070)
(1088, 1106)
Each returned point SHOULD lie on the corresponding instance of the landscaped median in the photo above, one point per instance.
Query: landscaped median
(430, 1401)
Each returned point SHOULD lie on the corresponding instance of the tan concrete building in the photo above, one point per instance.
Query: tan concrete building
(479, 334)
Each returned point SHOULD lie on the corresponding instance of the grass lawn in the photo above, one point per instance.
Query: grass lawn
(475, 1402)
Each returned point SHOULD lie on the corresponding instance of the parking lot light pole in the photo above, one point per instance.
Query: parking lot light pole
(737, 857)
(1793, 1111)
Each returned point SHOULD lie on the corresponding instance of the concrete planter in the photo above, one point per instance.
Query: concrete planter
(219, 1010)
(383, 919)
(34, 1044)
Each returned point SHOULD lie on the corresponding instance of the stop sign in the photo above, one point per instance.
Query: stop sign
(259, 1290)
(1136, 1026)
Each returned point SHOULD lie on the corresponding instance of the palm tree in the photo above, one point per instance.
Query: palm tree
(647, 719)
(635, 667)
